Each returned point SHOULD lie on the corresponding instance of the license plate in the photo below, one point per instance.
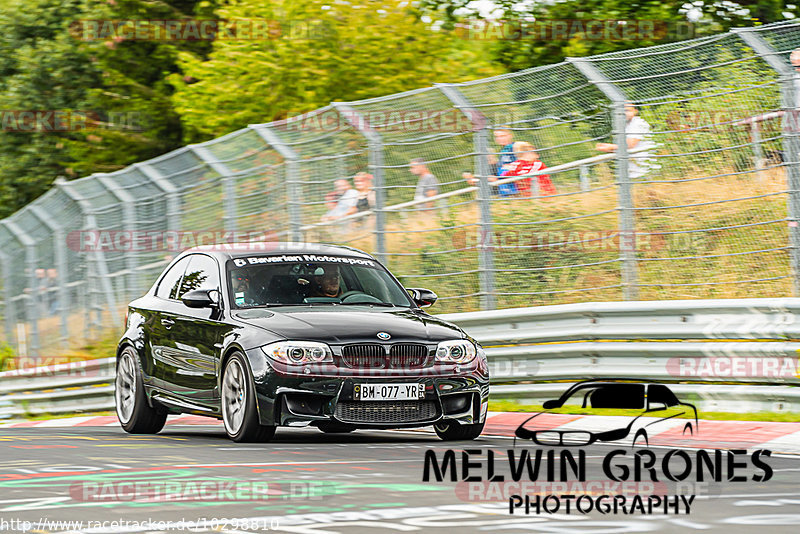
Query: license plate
(379, 392)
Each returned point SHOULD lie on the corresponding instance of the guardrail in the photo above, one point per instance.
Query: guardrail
(736, 355)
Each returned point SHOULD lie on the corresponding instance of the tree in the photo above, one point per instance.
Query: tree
(112, 90)
(317, 52)
(681, 20)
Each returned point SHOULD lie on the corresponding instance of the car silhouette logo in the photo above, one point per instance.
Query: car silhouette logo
(656, 403)
(384, 336)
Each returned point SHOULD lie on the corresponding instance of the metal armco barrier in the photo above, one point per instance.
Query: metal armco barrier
(737, 355)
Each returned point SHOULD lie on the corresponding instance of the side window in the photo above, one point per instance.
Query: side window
(618, 396)
(168, 287)
(661, 396)
(202, 273)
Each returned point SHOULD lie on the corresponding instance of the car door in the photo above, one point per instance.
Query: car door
(157, 319)
(192, 338)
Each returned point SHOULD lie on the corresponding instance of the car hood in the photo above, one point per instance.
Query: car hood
(342, 326)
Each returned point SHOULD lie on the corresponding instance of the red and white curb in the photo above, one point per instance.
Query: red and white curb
(777, 437)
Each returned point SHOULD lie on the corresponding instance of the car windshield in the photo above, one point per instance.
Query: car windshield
(310, 279)
(585, 399)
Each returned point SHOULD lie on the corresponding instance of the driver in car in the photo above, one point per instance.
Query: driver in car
(243, 292)
(326, 282)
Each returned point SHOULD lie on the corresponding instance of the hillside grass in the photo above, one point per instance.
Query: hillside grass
(693, 241)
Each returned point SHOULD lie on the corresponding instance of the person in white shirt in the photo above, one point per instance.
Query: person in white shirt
(637, 135)
(347, 198)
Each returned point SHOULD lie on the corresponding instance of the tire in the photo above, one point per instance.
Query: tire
(332, 427)
(643, 434)
(239, 412)
(449, 430)
(133, 411)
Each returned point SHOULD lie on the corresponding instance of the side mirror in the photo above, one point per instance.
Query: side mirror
(550, 404)
(201, 298)
(422, 297)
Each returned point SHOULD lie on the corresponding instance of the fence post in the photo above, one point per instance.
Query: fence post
(33, 296)
(480, 125)
(627, 223)
(60, 253)
(9, 315)
(89, 223)
(791, 143)
(376, 165)
(228, 185)
(585, 177)
(129, 225)
(293, 192)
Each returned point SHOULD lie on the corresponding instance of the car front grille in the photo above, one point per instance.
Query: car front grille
(386, 411)
(365, 356)
(408, 355)
(373, 356)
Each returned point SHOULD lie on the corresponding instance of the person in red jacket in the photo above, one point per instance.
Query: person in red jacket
(528, 162)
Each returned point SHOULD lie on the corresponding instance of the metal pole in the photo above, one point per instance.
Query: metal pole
(627, 242)
(129, 216)
(293, 192)
(33, 297)
(60, 253)
(758, 153)
(376, 166)
(228, 185)
(10, 316)
(791, 143)
(585, 171)
(481, 143)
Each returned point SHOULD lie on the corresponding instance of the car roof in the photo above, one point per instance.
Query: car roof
(226, 251)
(609, 382)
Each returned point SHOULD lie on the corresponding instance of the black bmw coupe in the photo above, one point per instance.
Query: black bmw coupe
(295, 335)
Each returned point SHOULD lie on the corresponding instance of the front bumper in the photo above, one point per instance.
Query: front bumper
(290, 399)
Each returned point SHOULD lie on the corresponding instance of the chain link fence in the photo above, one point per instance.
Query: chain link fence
(698, 199)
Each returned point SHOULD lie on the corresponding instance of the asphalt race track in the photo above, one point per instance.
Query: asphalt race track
(320, 483)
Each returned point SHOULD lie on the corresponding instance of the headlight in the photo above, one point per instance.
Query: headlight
(298, 352)
(456, 351)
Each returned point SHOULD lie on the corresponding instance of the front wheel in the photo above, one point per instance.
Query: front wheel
(239, 413)
(134, 413)
(450, 430)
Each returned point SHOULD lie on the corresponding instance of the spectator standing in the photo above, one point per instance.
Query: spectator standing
(505, 138)
(637, 135)
(427, 185)
(366, 194)
(347, 198)
(527, 163)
